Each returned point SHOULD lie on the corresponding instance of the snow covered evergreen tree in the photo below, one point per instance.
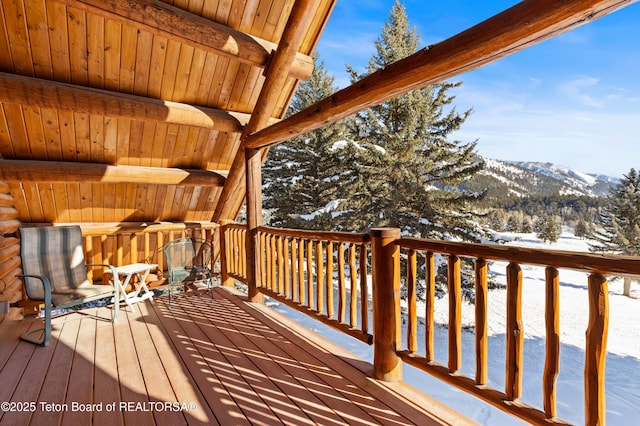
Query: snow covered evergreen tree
(404, 171)
(548, 229)
(299, 186)
(581, 229)
(620, 221)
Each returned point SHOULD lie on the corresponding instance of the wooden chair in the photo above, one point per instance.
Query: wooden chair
(188, 263)
(54, 271)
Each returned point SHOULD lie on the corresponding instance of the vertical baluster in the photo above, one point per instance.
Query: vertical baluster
(552, 357)
(364, 290)
(280, 267)
(515, 332)
(310, 292)
(319, 277)
(104, 246)
(430, 294)
(596, 350)
(147, 250)
(412, 324)
(342, 288)
(239, 252)
(455, 314)
(243, 256)
(270, 260)
(294, 274)
(159, 247)
(88, 247)
(236, 250)
(303, 293)
(272, 266)
(353, 277)
(286, 272)
(481, 306)
(257, 252)
(264, 259)
(329, 286)
(133, 248)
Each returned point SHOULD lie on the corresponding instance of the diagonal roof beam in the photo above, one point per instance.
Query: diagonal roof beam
(196, 31)
(523, 25)
(40, 93)
(297, 24)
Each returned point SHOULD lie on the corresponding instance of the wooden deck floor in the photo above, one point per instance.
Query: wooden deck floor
(225, 362)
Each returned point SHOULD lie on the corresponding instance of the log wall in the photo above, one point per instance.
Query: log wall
(10, 286)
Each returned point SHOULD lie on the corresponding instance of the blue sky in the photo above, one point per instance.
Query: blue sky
(573, 100)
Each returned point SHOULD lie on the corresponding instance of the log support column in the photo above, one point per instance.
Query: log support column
(254, 220)
(387, 365)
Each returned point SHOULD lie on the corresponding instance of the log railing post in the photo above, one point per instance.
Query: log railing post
(224, 254)
(515, 333)
(387, 365)
(596, 350)
(552, 357)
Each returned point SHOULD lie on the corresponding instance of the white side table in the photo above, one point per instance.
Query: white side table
(141, 270)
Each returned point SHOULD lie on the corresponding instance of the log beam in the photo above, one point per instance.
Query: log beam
(283, 60)
(523, 25)
(177, 24)
(69, 172)
(40, 93)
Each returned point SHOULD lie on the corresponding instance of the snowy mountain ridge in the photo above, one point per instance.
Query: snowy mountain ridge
(528, 178)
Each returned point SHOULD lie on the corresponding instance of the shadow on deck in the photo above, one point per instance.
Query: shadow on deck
(225, 362)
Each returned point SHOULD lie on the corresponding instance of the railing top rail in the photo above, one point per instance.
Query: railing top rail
(336, 237)
(92, 230)
(592, 262)
(234, 225)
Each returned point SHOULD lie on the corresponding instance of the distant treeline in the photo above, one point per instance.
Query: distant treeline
(518, 214)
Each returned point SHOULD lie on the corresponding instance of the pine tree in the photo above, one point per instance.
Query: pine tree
(405, 172)
(496, 220)
(581, 230)
(299, 185)
(513, 225)
(548, 229)
(620, 221)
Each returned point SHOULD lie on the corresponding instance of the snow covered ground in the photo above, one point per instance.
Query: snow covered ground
(623, 347)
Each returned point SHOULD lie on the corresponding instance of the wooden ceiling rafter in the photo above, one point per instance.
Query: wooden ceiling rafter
(41, 93)
(525, 24)
(101, 102)
(75, 172)
(182, 26)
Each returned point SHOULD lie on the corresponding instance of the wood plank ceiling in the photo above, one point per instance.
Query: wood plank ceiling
(132, 110)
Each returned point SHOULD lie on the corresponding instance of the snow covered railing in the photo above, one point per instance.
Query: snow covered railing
(399, 254)
(323, 274)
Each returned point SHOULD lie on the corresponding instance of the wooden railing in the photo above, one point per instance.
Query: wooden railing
(121, 244)
(323, 274)
(233, 247)
(553, 261)
(309, 271)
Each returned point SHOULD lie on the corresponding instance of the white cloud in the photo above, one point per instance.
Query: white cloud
(577, 90)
